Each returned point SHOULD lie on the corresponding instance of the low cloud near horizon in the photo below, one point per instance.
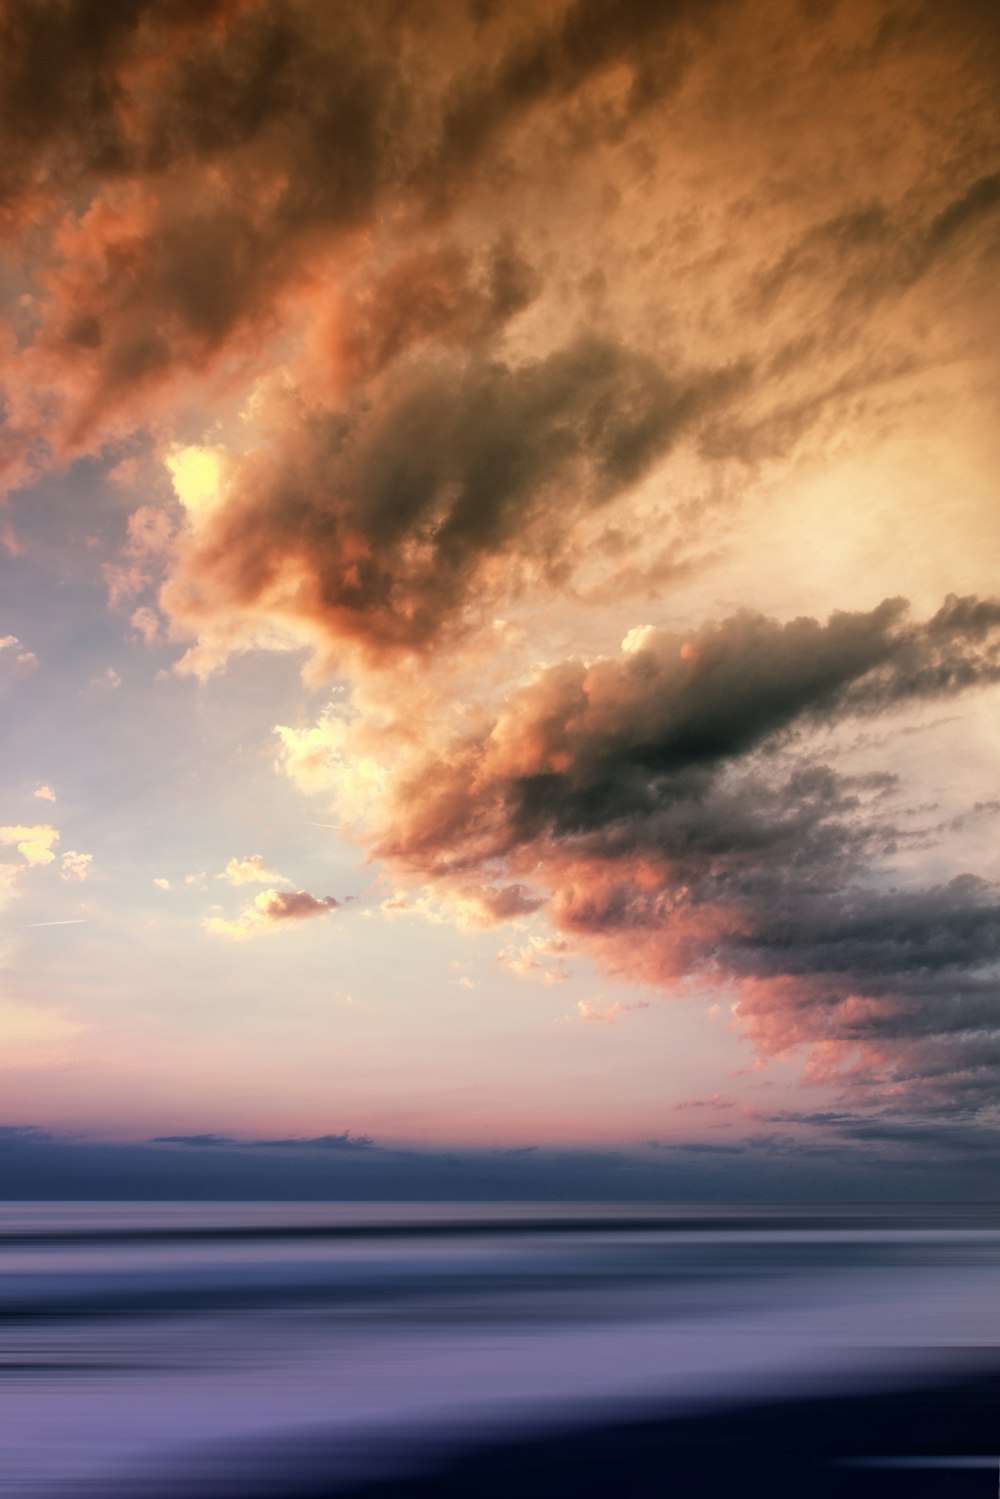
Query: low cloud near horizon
(869, 1159)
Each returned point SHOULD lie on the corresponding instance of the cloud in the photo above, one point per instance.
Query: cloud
(342, 1141)
(146, 622)
(703, 1147)
(658, 804)
(279, 241)
(642, 740)
(441, 294)
(191, 1167)
(264, 139)
(15, 661)
(888, 1162)
(147, 548)
(591, 1012)
(397, 524)
(75, 866)
(253, 870)
(214, 194)
(34, 844)
(44, 793)
(196, 1140)
(227, 215)
(714, 1101)
(272, 909)
(26, 1133)
(542, 958)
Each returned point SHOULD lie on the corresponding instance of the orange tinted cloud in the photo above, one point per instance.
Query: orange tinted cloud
(272, 909)
(656, 804)
(393, 525)
(436, 314)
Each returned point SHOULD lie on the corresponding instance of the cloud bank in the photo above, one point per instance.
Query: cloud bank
(658, 807)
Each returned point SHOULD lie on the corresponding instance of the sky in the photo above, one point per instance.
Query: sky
(499, 625)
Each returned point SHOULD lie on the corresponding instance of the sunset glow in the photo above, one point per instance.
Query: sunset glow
(500, 619)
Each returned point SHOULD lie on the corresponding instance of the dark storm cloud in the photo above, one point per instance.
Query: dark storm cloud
(191, 181)
(380, 525)
(946, 930)
(639, 740)
(231, 70)
(438, 294)
(226, 147)
(646, 795)
(59, 86)
(980, 201)
(299, 81)
(650, 37)
(875, 251)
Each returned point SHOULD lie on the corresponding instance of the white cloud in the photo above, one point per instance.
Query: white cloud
(253, 870)
(34, 844)
(75, 866)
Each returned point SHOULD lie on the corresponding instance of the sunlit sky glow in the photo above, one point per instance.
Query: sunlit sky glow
(499, 622)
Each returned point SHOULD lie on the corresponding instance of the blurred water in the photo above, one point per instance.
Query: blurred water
(148, 1347)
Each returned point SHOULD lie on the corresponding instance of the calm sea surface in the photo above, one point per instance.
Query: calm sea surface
(152, 1349)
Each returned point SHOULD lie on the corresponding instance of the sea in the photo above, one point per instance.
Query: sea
(292, 1351)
